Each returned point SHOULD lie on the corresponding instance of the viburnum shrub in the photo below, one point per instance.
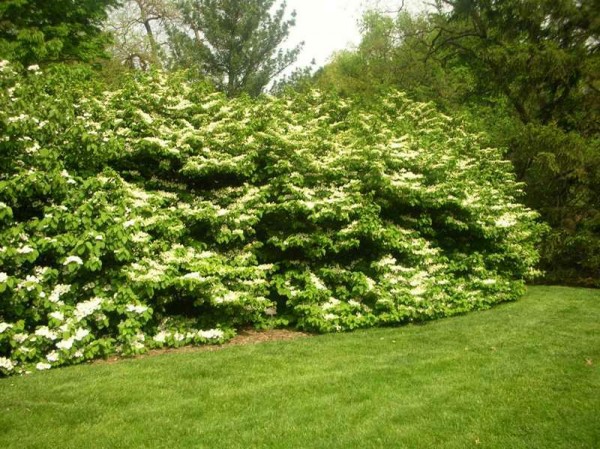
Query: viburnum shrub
(162, 214)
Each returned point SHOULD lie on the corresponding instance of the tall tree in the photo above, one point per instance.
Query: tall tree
(139, 31)
(393, 54)
(40, 31)
(543, 58)
(527, 73)
(236, 43)
(541, 54)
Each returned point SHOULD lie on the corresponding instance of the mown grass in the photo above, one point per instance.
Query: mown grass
(523, 375)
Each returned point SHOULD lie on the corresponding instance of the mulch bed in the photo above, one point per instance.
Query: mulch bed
(244, 337)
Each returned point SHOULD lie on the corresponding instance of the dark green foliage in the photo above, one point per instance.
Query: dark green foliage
(41, 31)
(543, 58)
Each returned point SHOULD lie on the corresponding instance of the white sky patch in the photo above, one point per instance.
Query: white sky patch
(327, 26)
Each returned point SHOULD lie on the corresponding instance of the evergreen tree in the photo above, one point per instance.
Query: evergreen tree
(236, 43)
(543, 58)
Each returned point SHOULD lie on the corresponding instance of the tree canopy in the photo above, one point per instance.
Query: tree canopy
(41, 31)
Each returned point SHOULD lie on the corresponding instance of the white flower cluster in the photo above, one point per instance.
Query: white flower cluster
(211, 334)
(73, 259)
(46, 333)
(58, 291)
(6, 364)
(86, 308)
(136, 308)
(365, 215)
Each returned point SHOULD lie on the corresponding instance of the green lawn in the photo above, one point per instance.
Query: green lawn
(523, 375)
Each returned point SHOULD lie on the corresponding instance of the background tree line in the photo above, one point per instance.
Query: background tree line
(524, 72)
(234, 44)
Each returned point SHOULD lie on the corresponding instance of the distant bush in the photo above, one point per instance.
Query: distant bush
(163, 214)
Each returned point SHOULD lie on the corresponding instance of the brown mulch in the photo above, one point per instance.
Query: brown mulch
(243, 337)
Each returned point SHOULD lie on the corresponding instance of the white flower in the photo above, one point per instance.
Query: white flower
(86, 308)
(353, 303)
(136, 309)
(46, 333)
(418, 291)
(33, 149)
(488, 281)
(266, 266)
(73, 259)
(386, 261)
(52, 357)
(506, 221)
(78, 354)
(160, 337)
(140, 237)
(3, 278)
(25, 250)
(129, 223)
(317, 282)
(58, 291)
(194, 276)
(65, 344)
(17, 118)
(4, 326)
(99, 237)
(147, 118)
(330, 316)
(271, 311)
(178, 336)
(59, 316)
(20, 338)
(229, 297)
(81, 333)
(42, 366)
(330, 304)
(34, 68)
(7, 364)
(30, 282)
(211, 334)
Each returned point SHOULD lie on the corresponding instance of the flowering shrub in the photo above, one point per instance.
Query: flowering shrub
(163, 214)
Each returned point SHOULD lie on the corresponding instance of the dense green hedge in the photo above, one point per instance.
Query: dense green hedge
(163, 214)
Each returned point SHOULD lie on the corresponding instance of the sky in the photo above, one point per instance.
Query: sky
(327, 26)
